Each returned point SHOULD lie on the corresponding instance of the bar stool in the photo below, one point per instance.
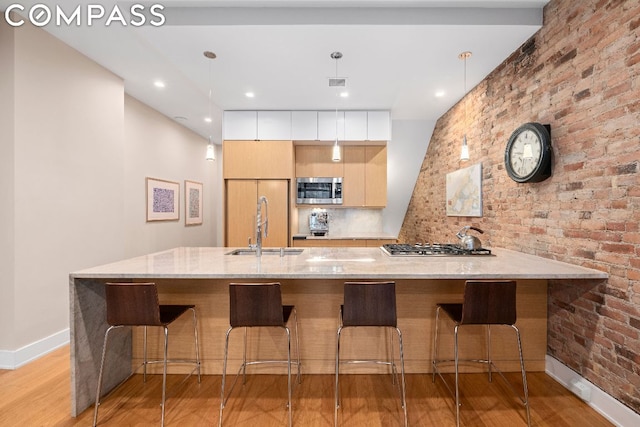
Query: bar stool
(370, 304)
(484, 303)
(136, 304)
(253, 305)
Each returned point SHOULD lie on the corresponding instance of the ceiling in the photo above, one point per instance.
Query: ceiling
(396, 54)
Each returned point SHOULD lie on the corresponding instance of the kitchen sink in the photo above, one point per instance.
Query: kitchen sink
(266, 251)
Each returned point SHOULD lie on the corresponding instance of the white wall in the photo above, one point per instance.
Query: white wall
(405, 152)
(73, 157)
(7, 216)
(158, 147)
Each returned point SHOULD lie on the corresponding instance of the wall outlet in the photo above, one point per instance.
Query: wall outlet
(581, 389)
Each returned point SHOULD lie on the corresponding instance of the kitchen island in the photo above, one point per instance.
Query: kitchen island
(312, 280)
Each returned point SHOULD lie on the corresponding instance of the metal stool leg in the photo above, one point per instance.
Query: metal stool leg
(289, 404)
(455, 356)
(195, 336)
(435, 348)
(524, 376)
(224, 375)
(295, 314)
(164, 373)
(99, 386)
(403, 391)
(337, 385)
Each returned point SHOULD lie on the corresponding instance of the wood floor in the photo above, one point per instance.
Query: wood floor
(38, 394)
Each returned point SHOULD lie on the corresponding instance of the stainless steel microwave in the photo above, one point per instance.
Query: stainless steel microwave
(319, 191)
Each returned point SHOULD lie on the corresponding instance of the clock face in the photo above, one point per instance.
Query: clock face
(527, 157)
(525, 153)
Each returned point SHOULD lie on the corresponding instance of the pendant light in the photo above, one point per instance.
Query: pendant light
(335, 154)
(211, 152)
(464, 151)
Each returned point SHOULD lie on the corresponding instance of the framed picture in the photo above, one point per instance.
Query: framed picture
(163, 200)
(192, 203)
(464, 191)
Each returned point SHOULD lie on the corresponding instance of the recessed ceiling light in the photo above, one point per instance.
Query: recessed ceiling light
(344, 94)
(159, 84)
(208, 119)
(249, 94)
(439, 94)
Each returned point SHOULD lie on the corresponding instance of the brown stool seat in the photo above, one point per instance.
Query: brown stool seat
(136, 304)
(370, 304)
(256, 305)
(484, 303)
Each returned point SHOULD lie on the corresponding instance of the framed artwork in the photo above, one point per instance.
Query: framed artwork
(192, 203)
(163, 200)
(464, 191)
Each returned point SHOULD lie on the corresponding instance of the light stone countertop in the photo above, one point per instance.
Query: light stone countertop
(350, 236)
(335, 263)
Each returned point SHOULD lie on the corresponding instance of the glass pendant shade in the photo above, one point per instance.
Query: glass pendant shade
(211, 153)
(335, 155)
(464, 152)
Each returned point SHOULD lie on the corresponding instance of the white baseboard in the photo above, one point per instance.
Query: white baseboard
(601, 402)
(28, 353)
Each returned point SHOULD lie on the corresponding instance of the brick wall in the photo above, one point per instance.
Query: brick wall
(581, 74)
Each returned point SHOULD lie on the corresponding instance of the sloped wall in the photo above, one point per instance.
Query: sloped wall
(580, 74)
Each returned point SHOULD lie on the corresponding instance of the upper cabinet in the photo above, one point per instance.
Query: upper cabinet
(307, 125)
(257, 159)
(378, 126)
(330, 124)
(304, 125)
(257, 125)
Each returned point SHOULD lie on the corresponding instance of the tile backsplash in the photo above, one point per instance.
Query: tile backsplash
(345, 222)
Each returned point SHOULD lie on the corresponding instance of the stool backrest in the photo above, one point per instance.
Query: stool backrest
(132, 304)
(489, 302)
(255, 304)
(369, 304)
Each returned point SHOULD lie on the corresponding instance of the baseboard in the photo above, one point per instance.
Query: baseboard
(28, 353)
(601, 402)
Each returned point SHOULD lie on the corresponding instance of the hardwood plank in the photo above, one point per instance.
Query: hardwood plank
(38, 394)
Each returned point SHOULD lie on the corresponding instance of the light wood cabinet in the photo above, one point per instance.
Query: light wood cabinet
(353, 183)
(375, 184)
(257, 159)
(365, 176)
(241, 209)
(315, 161)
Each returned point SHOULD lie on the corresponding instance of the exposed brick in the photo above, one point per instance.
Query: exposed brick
(578, 75)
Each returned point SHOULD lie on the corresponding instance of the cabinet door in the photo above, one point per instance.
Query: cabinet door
(277, 194)
(304, 125)
(355, 125)
(327, 125)
(241, 209)
(375, 185)
(257, 159)
(315, 161)
(240, 215)
(274, 125)
(354, 176)
(242, 125)
(378, 126)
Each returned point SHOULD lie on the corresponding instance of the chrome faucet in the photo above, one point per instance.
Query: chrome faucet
(260, 223)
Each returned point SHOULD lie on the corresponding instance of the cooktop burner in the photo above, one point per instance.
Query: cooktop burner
(434, 249)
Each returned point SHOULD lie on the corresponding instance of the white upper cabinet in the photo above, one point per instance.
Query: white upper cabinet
(304, 125)
(307, 125)
(327, 125)
(378, 126)
(355, 126)
(240, 125)
(274, 125)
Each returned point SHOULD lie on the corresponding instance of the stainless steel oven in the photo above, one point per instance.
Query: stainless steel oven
(319, 191)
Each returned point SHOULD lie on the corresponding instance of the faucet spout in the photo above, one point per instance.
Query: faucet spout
(260, 223)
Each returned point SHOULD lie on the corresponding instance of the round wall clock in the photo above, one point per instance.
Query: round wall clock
(527, 157)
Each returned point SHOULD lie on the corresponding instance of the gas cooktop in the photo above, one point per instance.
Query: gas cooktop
(433, 249)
